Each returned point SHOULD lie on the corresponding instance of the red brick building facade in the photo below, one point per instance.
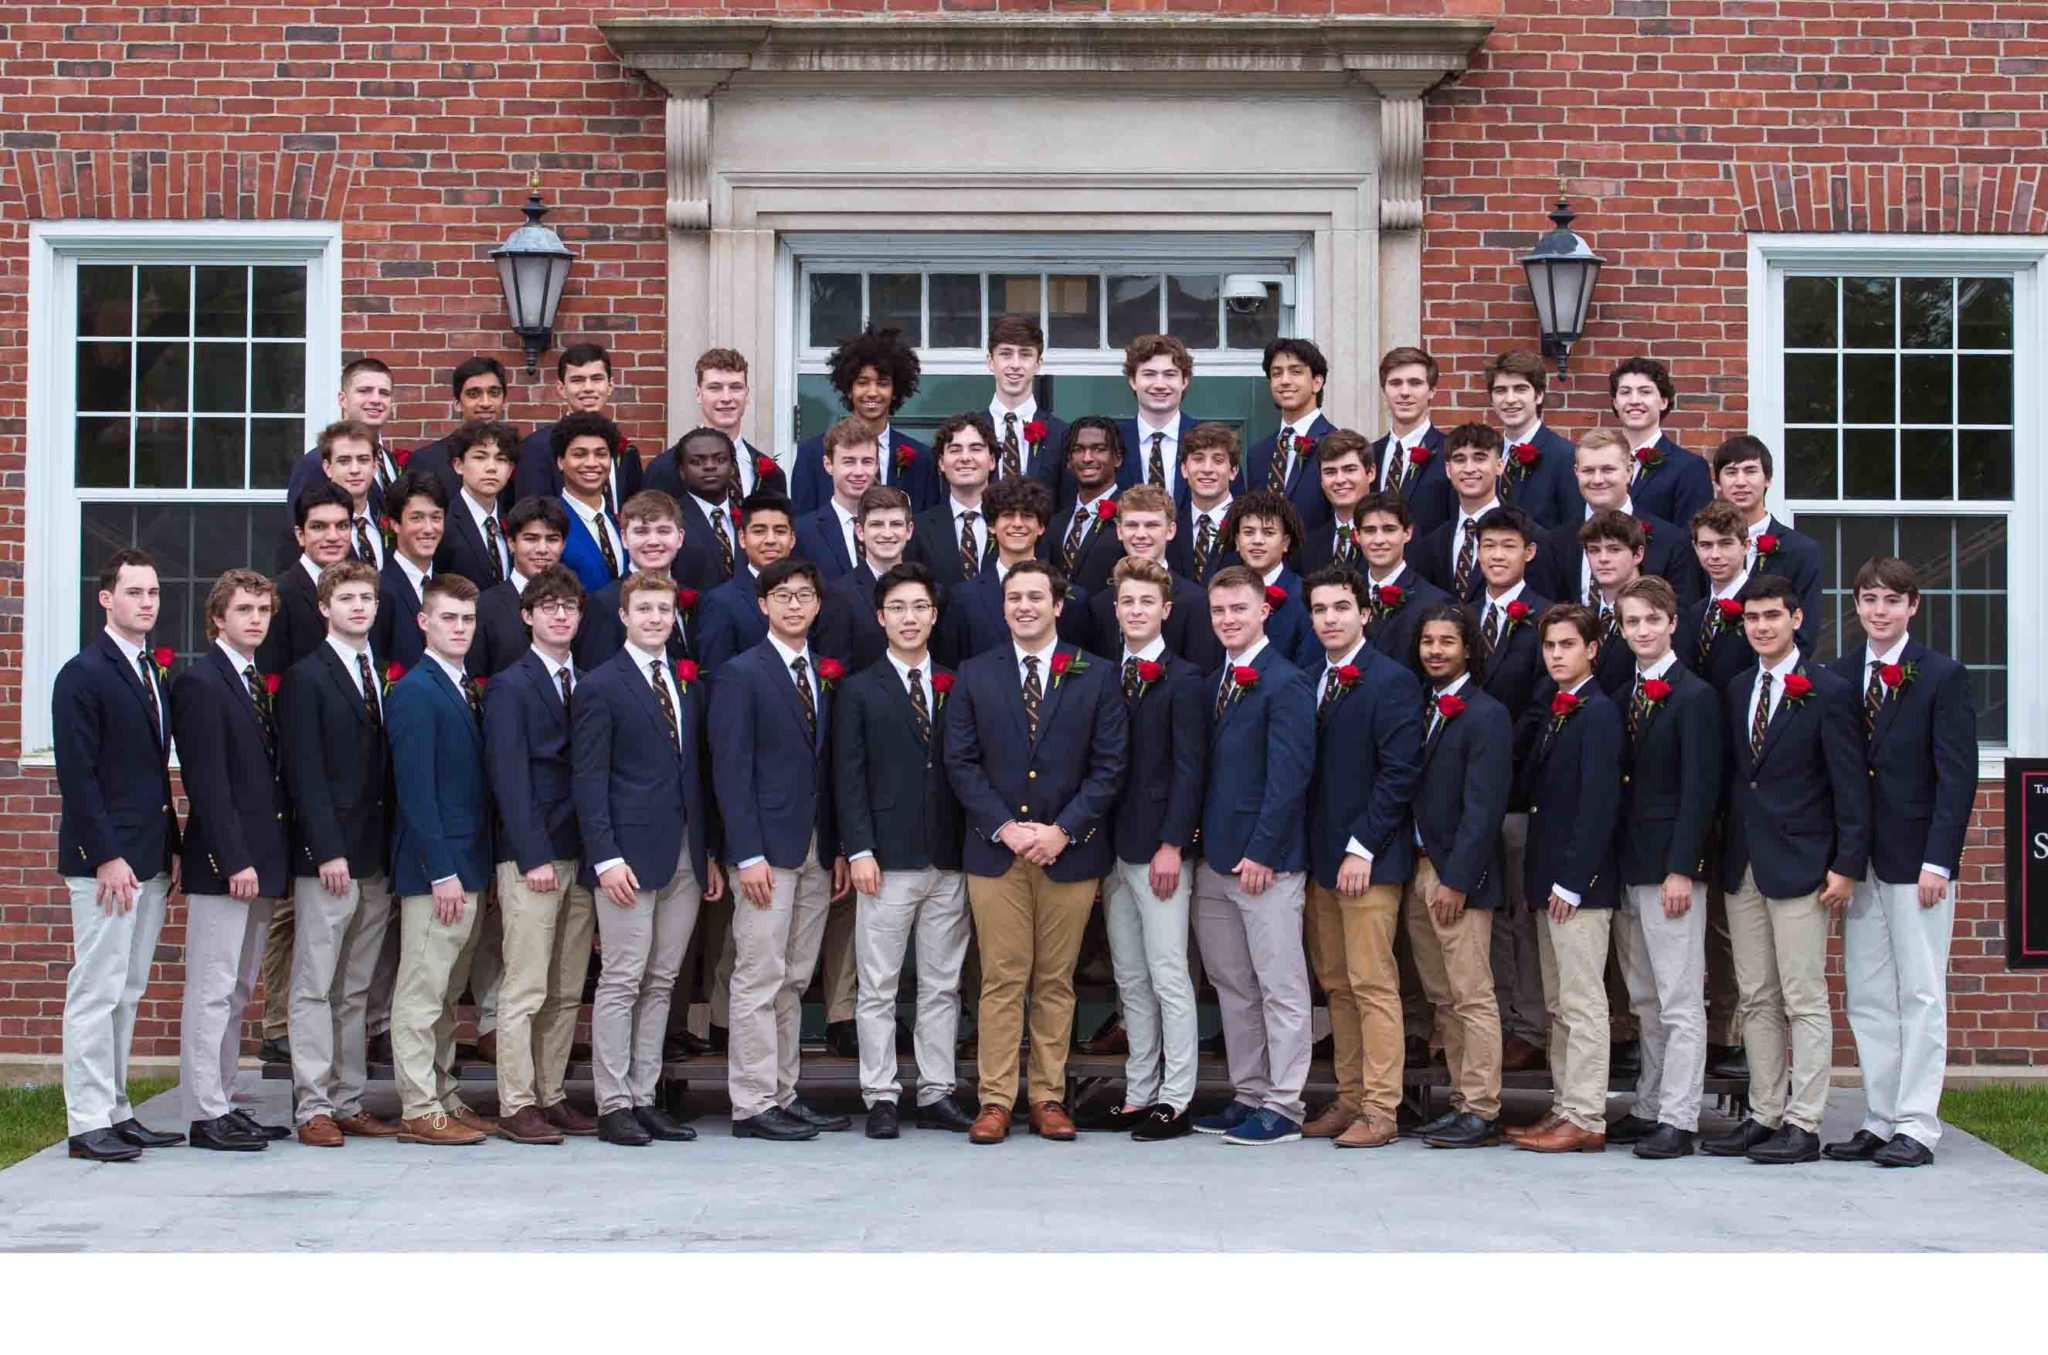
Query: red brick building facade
(1743, 166)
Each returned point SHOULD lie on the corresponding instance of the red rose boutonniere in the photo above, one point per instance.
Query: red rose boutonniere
(1450, 707)
(161, 657)
(1798, 687)
(1655, 692)
(389, 529)
(941, 684)
(1518, 612)
(1347, 676)
(1522, 458)
(1766, 545)
(392, 673)
(1389, 596)
(1562, 707)
(1243, 677)
(480, 682)
(1730, 610)
(905, 455)
(1106, 510)
(686, 673)
(400, 457)
(1418, 458)
(1150, 670)
(1065, 664)
(830, 671)
(1304, 446)
(686, 600)
(1275, 595)
(1895, 676)
(1649, 458)
(765, 468)
(1035, 433)
(270, 683)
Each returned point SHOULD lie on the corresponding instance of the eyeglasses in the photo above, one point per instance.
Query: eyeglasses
(792, 597)
(556, 607)
(899, 610)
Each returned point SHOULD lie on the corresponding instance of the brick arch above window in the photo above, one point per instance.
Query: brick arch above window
(1894, 199)
(172, 185)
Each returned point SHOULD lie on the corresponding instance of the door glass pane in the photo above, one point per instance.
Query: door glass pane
(1926, 388)
(1133, 307)
(1810, 464)
(1811, 389)
(1867, 466)
(1984, 385)
(1073, 310)
(102, 451)
(956, 311)
(104, 374)
(277, 377)
(1191, 307)
(835, 308)
(1984, 309)
(280, 303)
(221, 302)
(1015, 294)
(160, 375)
(275, 446)
(1926, 462)
(1867, 387)
(1984, 463)
(163, 301)
(105, 300)
(895, 302)
(219, 453)
(160, 453)
(1926, 312)
(220, 376)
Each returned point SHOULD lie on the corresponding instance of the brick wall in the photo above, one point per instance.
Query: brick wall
(1676, 125)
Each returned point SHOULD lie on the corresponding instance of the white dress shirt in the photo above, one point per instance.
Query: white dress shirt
(1215, 518)
(1169, 450)
(555, 670)
(1257, 647)
(454, 671)
(236, 660)
(348, 654)
(1391, 580)
(1149, 653)
(1468, 522)
(1406, 444)
(1730, 589)
(598, 523)
(1283, 443)
(133, 654)
(312, 570)
(999, 417)
(980, 525)
(846, 521)
(370, 531)
(415, 576)
(477, 514)
(1784, 669)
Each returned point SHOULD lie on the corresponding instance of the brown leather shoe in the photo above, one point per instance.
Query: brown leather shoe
(1331, 1121)
(570, 1120)
(363, 1125)
(487, 1047)
(1368, 1131)
(1517, 1055)
(321, 1132)
(482, 1124)
(1049, 1120)
(991, 1126)
(1515, 1133)
(437, 1129)
(528, 1125)
(1564, 1137)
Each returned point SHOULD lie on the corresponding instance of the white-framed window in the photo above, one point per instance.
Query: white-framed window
(1898, 378)
(173, 371)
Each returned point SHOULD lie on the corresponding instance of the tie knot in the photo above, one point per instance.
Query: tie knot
(654, 667)
(1010, 416)
(968, 515)
(797, 665)
(1030, 663)
(915, 675)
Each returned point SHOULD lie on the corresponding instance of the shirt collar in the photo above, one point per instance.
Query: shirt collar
(1734, 587)
(710, 509)
(1508, 442)
(1414, 439)
(1581, 686)
(1351, 657)
(1025, 413)
(641, 658)
(1645, 446)
(312, 570)
(790, 656)
(478, 512)
(924, 670)
(1659, 668)
(413, 572)
(845, 518)
(1150, 652)
(1146, 430)
(552, 667)
(454, 671)
(235, 661)
(1044, 655)
(1505, 598)
(346, 652)
(1455, 685)
(1273, 575)
(1889, 656)
(1787, 665)
(1464, 517)
(1089, 505)
(958, 508)
(1391, 579)
(1628, 506)
(518, 582)
(1249, 655)
(128, 651)
(1216, 514)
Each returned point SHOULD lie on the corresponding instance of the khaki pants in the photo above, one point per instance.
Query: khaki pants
(547, 953)
(1895, 961)
(111, 952)
(929, 905)
(1457, 973)
(1351, 942)
(433, 965)
(335, 942)
(224, 939)
(1664, 963)
(775, 952)
(841, 969)
(643, 952)
(1253, 947)
(1517, 972)
(1574, 956)
(1780, 969)
(1028, 931)
(1148, 951)
(277, 970)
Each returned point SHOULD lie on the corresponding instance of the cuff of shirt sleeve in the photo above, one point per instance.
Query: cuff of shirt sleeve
(1930, 867)
(859, 856)
(445, 879)
(601, 867)
(752, 861)
(1353, 847)
(1567, 895)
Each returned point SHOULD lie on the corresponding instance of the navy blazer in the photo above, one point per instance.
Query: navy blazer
(444, 801)
(1797, 557)
(113, 765)
(1262, 753)
(810, 488)
(728, 621)
(336, 766)
(662, 473)
(819, 540)
(1100, 548)
(433, 459)
(602, 634)
(464, 551)
(1435, 558)
(1067, 774)
(538, 473)
(892, 797)
(1671, 781)
(1392, 632)
(1727, 654)
(1571, 781)
(501, 634)
(1462, 794)
(1559, 566)
(1137, 463)
(971, 619)
(1180, 548)
(584, 557)
(1427, 488)
(1045, 465)
(1304, 488)
(1676, 487)
(1510, 673)
(1287, 626)
(846, 627)
(706, 566)
(1922, 760)
(1161, 801)
(234, 783)
(396, 636)
(1802, 809)
(935, 544)
(639, 796)
(526, 758)
(296, 626)
(774, 779)
(1368, 756)
(1187, 631)
(1319, 551)
(1549, 490)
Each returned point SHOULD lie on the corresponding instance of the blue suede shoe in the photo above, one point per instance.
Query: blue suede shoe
(1268, 1126)
(1226, 1119)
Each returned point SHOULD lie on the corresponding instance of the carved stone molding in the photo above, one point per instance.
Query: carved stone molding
(1401, 164)
(688, 146)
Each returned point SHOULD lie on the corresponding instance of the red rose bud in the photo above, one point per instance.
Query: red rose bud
(1419, 458)
(270, 682)
(686, 599)
(393, 671)
(1060, 663)
(1767, 544)
(1348, 674)
(1524, 453)
(163, 654)
(1244, 675)
(1730, 608)
(1656, 689)
(1150, 671)
(904, 456)
(1564, 703)
(1035, 431)
(1450, 707)
(479, 682)
(1891, 675)
(764, 466)
(686, 670)
(831, 670)
(400, 457)
(1518, 610)
(1275, 595)
(1106, 510)
(1390, 595)
(1304, 445)
(1798, 685)
(942, 683)
(1646, 454)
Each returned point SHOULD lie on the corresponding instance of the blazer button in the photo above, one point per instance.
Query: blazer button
(1533, 808)
(1752, 785)
(1031, 776)
(1624, 778)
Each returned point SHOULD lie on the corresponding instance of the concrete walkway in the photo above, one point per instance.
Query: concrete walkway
(933, 1192)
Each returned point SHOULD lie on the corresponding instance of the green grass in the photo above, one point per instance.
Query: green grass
(2012, 1119)
(32, 1118)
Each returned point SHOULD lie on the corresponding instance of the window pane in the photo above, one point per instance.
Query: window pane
(1985, 386)
(1810, 388)
(1924, 312)
(1809, 312)
(1133, 308)
(1867, 470)
(1926, 463)
(1867, 395)
(1926, 389)
(275, 446)
(956, 311)
(1015, 294)
(161, 376)
(219, 453)
(1073, 304)
(835, 307)
(1810, 463)
(160, 453)
(280, 303)
(103, 375)
(221, 302)
(1191, 308)
(895, 300)
(105, 301)
(102, 453)
(1984, 464)
(1985, 309)
(164, 301)
(1868, 305)
(1255, 325)
(220, 380)
(277, 377)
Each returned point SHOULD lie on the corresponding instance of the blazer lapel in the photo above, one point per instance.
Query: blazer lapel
(643, 691)
(1053, 684)
(136, 689)
(439, 677)
(1780, 718)
(343, 681)
(235, 681)
(1892, 696)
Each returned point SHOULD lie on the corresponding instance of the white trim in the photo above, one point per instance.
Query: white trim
(51, 566)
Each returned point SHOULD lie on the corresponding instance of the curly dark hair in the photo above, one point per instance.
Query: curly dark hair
(1101, 423)
(883, 350)
(1262, 503)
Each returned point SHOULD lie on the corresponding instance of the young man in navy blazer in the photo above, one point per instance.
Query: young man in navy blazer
(1397, 594)
(1145, 528)
(1456, 894)
(417, 507)
(1209, 460)
(1249, 889)
(1027, 439)
(847, 622)
(1145, 894)
(1408, 461)
(1361, 848)
(440, 862)
(827, 536)
(1572, 784)
(1082, 542)
(536, 528)
(1742, 476)
(477, 386)
(729, 618)
(237, 850)
(1344, 470)
(722, 395)
(701, 477)
(365, 397)
(474, 542)
(952, 539)
(1666, 481)
(1795, 838)
(1920, 730)
(1671, 793)
(1159, 369)
(338, 772)
(640, 784)
(1036, 746)
(900, 826)
(1536, 460)
(1449, 556)
(653, 527)
(545, 912)
(586, 448)
(875, 374)
(583, 383)
(321, 528)
(117, 850)
(771, 743)
(974, 619)
(1601, 465)
(1262, 531)
(1296, 372)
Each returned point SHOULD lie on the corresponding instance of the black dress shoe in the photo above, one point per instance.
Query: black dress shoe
(947, 1114)
(275, 1051)
(662, 1125)
(773, 1123)
(269, 1133)
(1728, 1061)
(1443, 1121)
(1407, 1119)
(1465, 1130)
(816, 1119)
(882, 1120)
(1164, 1122)
(842, 1040)
(623, 1127)
(225, 1136)
(103, 1145)
(377, 1049)
(1664, 1142)
(1415, 1051)
(1212, 1044)
(1789, 1144)
(1904, 1151)
(1738, 1140)
(1630, 1128)
(1624, 1060)
(718, 1038)
(1323, 1050)
(1860, 1146)
(1114, 1119)
(135, 1132)
(684, 1045)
